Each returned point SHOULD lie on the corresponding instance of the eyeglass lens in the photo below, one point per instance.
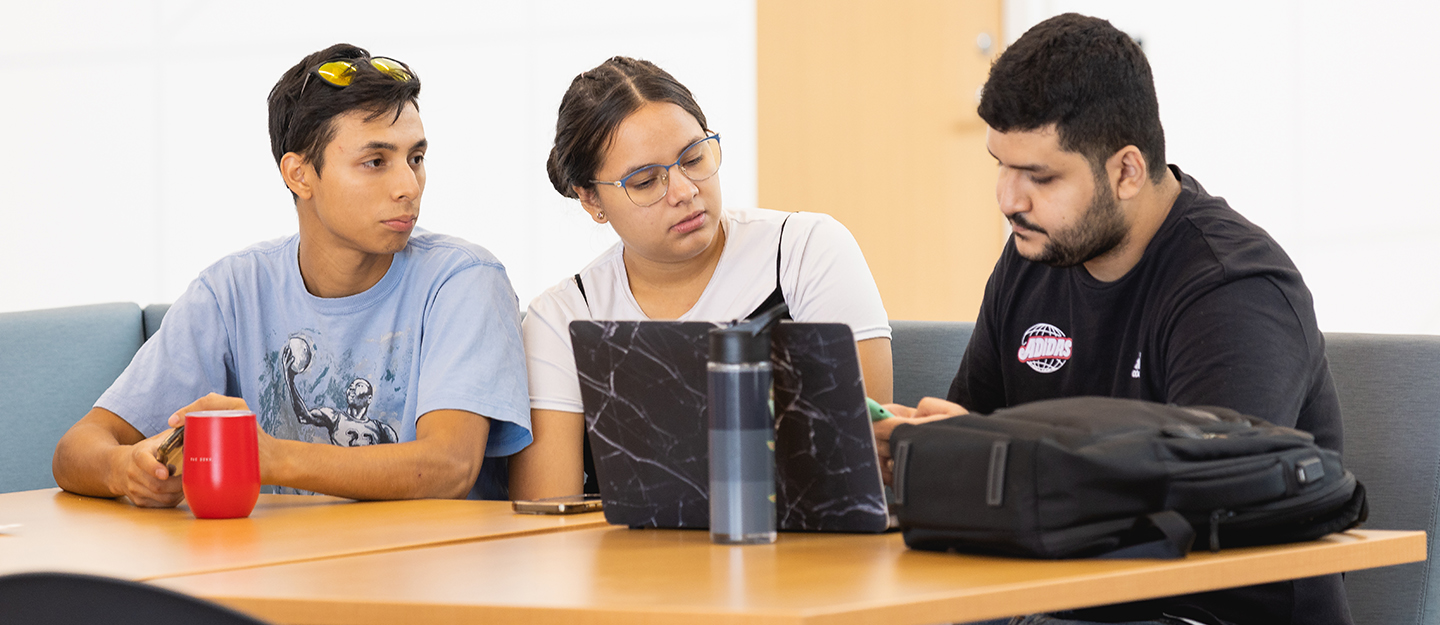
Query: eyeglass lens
(699, 162)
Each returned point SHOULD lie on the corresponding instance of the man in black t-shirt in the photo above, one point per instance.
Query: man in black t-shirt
(1125, 278)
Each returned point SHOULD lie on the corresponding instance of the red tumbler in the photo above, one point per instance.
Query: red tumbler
(222, 463)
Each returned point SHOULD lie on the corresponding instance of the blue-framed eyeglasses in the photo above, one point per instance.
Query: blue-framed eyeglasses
(649, 184)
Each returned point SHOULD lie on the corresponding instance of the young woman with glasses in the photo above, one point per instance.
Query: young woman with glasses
(633, 146)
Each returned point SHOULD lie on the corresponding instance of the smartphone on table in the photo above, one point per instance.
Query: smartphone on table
(569, 504)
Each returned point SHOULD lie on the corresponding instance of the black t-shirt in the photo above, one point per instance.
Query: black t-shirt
(1214, 314)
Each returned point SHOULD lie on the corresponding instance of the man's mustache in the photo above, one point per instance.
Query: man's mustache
(1019, 219)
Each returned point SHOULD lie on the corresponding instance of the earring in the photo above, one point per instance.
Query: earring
(600, 215)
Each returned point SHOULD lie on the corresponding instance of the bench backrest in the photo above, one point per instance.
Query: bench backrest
(926, 355)
(1389, 389)
(153, 314)
(54, 364)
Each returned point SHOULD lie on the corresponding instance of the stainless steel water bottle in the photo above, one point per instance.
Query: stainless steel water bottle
(742, 433)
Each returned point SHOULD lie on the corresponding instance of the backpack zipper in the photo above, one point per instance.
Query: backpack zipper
(1320, 500)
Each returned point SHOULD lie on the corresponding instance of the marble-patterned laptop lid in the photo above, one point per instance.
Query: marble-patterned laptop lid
(643, 384)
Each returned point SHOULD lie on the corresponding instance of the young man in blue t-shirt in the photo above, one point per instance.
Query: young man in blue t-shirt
(382, 362)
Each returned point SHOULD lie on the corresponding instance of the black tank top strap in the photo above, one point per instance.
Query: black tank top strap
(775, 299)
(580, 284)
(592, 487)
(777, 296)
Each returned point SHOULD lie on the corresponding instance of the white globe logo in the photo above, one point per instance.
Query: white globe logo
(300, 351)
(1044, 348)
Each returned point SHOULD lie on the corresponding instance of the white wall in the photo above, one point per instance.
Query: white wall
(1317, 119)
(135, 139)
(136, 152)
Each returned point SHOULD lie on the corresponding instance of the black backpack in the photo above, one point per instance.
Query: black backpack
(1095, 476)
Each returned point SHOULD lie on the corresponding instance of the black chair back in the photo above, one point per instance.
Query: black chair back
(66, 598)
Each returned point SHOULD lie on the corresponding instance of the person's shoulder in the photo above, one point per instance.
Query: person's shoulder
(1207, 245)
(1207, 223)
(753, 215)
(606, 268)
(240, 278)
(1209, 212)
(557, 305)
(261, 252)
(265, 257)
(766, 219)
(556, 297)
(433, 248)
(567, 295)
(761, 227)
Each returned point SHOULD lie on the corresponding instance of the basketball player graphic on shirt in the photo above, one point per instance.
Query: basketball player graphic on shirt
(351, 428)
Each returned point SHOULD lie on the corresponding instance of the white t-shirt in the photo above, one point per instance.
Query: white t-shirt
(823, 276)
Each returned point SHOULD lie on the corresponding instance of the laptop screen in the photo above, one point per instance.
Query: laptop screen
(644, 388)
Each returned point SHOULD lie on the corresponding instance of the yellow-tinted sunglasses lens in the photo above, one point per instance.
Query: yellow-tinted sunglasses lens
(338, 73)
(341, 72)
(392, 68)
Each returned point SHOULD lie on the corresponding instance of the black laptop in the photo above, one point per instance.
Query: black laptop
(643, 384)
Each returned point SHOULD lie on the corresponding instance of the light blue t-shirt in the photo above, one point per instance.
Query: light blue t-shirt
(440, 331)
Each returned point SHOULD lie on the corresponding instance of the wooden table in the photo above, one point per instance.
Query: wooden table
(615, 575)
(60, 531)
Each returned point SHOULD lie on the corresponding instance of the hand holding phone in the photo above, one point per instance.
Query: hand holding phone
(569, 504)
(172, 451)
(877, 412)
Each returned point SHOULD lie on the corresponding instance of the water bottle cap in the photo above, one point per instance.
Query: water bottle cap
(746, 341)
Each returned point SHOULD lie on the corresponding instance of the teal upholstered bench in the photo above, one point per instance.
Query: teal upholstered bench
(54, 364)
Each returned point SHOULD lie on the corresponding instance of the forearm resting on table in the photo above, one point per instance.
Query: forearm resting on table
(442, 462)
(553, 465)
(89, 453)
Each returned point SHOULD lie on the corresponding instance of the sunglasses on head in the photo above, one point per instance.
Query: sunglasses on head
(341, 72)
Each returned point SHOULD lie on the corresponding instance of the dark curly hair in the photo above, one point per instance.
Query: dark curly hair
(1089, 79)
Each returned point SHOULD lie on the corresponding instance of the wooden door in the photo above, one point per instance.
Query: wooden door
(867, 113)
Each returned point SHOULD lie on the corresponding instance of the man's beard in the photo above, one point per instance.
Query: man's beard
(1102, 228)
